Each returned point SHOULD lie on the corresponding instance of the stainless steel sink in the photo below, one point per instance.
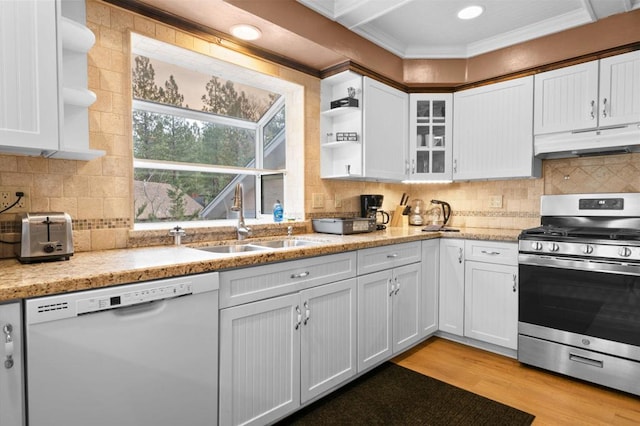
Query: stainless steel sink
(233, 248)
(287, 242)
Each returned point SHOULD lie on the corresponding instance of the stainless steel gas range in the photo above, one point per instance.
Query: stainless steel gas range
(579, 300)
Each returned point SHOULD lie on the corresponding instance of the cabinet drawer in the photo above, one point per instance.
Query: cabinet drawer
(246, 285)
(386, 257)
(492, 251)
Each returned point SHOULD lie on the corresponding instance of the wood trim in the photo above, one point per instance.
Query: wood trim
(211, 35)
(214, 36)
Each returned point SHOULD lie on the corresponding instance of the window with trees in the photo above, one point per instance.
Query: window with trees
(197, 132)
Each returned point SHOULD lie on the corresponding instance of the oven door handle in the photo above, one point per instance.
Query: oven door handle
(578, 264)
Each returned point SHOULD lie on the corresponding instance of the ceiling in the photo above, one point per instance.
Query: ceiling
(416, 29)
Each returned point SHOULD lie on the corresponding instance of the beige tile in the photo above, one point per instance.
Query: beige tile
(98, 13)
(82, 240)
(90, 208)
(8, 163)
(103, 239)
(76, 186)
(68, 205)
(62, 167)
(100, 57)
(121, 20)
(112, 81)
(104, 101)
(47, 186)
(166, 34)
(116, 166)
(117, 207)
(144, 26)
(112, 123)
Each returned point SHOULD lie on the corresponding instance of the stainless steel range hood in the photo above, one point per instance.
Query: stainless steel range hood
(601, 141)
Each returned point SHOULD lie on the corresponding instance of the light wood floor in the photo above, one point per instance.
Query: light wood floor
(553, 399)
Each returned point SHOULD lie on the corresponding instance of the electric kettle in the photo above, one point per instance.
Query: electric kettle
(446, 210)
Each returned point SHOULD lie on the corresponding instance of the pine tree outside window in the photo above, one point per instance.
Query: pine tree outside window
(197, 132)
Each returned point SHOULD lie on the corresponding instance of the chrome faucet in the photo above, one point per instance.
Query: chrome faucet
(238, 198)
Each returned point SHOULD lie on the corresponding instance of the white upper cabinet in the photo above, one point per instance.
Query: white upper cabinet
(28, 80)
(586, 96)
(620, 89)
(566, 99)
(430, 136)
(363, 129)
(590, 107)
(493, 132)
(44, 98)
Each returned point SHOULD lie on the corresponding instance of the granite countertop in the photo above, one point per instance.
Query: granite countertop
(96, 269)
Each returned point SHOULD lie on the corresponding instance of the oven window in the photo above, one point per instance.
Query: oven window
(597, 304)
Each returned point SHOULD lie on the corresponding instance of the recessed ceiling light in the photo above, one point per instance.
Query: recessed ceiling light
(470, 12)
(246, 32)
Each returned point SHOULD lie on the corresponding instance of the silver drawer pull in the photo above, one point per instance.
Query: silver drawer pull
(392, 256)
(300, 275)
(585, 360)
(8, 345)
(490, 253)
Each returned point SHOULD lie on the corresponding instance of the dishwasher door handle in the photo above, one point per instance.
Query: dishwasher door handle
(145, 308)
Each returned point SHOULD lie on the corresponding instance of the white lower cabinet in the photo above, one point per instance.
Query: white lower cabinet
(451, 297)
(430, 281)
(491, 303)
(278, 353)
(479, 291)
(388, 313)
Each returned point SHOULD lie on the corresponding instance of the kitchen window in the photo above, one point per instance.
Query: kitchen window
(200, 126)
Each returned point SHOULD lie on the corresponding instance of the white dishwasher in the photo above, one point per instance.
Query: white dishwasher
(141, 354)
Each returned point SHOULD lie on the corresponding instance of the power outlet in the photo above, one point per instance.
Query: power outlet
(495, 201)
(8, 197)
(337, 203)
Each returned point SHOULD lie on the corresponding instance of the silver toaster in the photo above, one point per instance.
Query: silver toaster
(44, 236)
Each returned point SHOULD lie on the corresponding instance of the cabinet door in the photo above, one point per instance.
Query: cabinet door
(406, 306)
(493, 131)
(385, 116)
(491, 303)
(328, 346)
(430, 136)
(566, 99)
(620, 89)
(429, 291)
(260, 360)
(374, 319)
(11, 374)
(451, 318)
(28, 76)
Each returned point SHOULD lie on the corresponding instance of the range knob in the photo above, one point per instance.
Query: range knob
(537, 245)
(624, 251)
(553, 247)
(587, 249)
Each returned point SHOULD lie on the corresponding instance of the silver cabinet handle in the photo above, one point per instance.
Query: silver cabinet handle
(604, 108)
(460, 255)
(299, 317)
(392, 256)
(300, 275)
(397, 286)
(8, 345)
(393, 287)
(455, 166)
(490, 253)
(307, 312)
(593, 109)
(413, 166)
(406, 167)
(515, 283)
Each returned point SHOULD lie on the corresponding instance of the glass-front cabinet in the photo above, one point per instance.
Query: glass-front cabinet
(430, 136)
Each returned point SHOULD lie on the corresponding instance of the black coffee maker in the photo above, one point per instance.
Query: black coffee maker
(370, 207)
